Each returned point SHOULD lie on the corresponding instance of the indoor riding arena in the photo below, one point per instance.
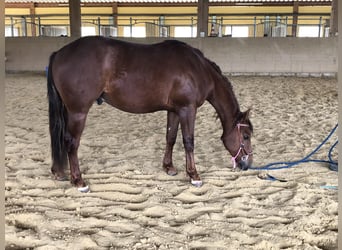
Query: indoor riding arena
(282, 68)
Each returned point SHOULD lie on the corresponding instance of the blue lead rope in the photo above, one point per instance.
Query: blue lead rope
(333, 165)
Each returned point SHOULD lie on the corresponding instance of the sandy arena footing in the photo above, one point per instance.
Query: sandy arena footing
(134, 204)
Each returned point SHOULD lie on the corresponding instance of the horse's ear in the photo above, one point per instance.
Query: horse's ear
(246, 114)
(246, 119)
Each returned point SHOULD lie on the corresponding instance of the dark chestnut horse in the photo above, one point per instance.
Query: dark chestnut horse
(137, 78)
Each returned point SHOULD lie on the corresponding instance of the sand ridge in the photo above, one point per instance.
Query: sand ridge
(133, 204)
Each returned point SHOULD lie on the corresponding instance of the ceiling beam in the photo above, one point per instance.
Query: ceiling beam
(236, 3)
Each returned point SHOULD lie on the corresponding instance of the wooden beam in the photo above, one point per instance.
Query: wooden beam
(334, 18)
(202, 18)
(33, 19)
(75, 18)
(115, 14)
(17, 5)
(295, 18)
(120, 4)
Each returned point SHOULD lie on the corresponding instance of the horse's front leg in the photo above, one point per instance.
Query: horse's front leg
(76, 123)
(187, 120)
(171, 136)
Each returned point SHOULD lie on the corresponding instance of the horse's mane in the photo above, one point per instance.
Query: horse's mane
(240, 115)
(219, 72)
(214, 66)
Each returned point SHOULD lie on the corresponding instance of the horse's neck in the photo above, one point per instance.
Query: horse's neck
(225, 104)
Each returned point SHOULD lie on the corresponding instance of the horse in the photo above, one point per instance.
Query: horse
(140, 78)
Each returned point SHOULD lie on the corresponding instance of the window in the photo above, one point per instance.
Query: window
(54, 31)
(8, 31)
(309, 31)
(236, 31)
(136, 31)
(185, 31)
(88, 31)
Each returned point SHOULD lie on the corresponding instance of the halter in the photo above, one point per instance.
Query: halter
(242, 147)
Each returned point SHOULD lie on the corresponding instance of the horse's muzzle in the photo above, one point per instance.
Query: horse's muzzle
(245, 162)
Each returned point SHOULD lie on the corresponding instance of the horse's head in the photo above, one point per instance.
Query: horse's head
(238, 141)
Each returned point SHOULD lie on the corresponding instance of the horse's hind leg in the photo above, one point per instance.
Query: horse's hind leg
(76, 123)
(58, 172)
(171, 136)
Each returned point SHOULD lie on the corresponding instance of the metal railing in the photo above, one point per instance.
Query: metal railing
(243, 25)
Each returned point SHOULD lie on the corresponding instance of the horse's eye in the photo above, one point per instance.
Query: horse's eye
(246, 137)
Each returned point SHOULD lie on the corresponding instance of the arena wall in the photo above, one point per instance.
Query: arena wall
(251, 56)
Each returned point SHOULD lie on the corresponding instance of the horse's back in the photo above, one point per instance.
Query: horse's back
(147, 77)
(99, 51)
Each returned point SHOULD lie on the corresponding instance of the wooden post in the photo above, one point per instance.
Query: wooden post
(75, 18)
(334, 18)
(202, 18)
(33, 18)
(115, 14)
(295, 19)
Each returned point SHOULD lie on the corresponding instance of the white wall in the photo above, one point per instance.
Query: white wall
(274, 56)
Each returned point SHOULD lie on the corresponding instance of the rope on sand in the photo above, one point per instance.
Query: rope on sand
(333, 165)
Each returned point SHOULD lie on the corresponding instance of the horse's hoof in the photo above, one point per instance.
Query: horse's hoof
(85, 189)
(171, 172)
(61, 178)
(196, 183)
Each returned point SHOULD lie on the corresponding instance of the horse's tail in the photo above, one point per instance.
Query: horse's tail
(57, 121)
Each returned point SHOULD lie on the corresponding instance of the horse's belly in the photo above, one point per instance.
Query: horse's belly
(132, 103)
